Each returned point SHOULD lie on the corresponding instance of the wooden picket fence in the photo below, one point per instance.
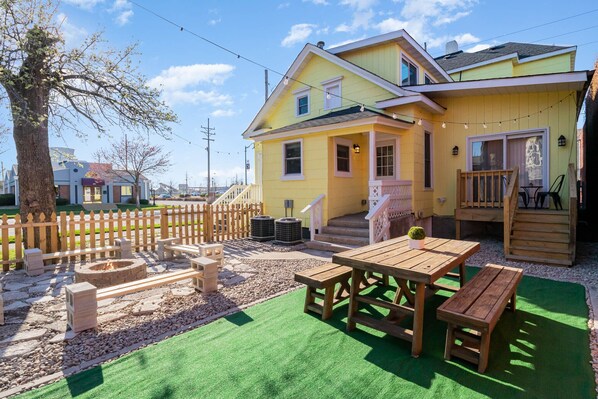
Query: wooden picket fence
(194, 224)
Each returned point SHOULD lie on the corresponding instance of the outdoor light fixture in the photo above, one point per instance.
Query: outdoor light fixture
(456, 150)
(356, 148)
(562, 141)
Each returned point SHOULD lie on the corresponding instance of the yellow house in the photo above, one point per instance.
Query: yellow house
(378, 129)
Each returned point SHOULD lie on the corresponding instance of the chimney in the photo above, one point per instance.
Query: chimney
(452, 47)
(320, 44)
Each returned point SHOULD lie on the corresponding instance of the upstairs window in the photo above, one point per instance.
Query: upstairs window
(332, 93)
(302, 102)
(427, 160)
(428, 80)
(408, 73)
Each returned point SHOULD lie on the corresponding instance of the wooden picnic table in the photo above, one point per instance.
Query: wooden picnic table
(408, 267)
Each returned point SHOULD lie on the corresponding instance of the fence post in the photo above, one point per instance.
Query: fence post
(163, 223)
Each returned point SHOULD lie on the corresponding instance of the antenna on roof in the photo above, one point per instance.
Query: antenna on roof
(451, 47)
(320, 44)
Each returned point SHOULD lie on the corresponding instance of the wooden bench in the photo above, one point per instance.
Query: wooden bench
(34, 258)
(477, 307)
(82, 298)
(325, 277)
(169, 247)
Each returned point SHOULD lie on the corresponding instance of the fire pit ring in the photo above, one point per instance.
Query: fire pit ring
(108, 272)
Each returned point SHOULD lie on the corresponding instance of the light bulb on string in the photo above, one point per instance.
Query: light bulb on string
(444, 125)
(286, 80)
(362, 108)
(485, 126)
(328, 95)
(466, 126)
(499, 123)
(419, 122)
(394, 115)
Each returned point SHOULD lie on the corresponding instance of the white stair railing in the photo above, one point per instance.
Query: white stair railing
(379, 220)
(230, 194)
(250, 195)
(316, 214)
(399, 192)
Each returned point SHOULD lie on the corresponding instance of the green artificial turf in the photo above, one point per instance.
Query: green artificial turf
(274, 350)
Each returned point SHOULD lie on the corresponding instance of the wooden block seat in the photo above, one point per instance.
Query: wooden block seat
(472, 313)
(325, 277)
(82, 298)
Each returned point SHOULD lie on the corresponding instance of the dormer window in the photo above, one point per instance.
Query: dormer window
(428, 80)
(332, 93)
(408, 72)
(302, 102)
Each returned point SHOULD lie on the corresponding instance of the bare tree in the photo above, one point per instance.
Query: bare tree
(49, 86)
(133, 159)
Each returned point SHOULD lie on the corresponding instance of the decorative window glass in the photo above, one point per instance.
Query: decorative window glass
(385, 156)
(126, 190)
(408, 73)
(427, 160)
(292, 158)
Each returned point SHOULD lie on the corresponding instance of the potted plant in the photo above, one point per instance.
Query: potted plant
(417, 237)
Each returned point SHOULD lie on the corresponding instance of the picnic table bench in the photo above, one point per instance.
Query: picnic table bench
(324, 277)
(168, 247)
(82, 298)
(478, 306)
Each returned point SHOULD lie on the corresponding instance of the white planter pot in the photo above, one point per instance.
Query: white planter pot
(416, 244)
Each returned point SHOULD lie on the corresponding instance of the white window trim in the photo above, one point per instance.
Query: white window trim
(544, 132)
(329, 83)
(404, 57)
(348, 143)
(385, 143)
(291, 176)
(304, 92)
(429, 131)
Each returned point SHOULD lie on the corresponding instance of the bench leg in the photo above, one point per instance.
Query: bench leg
(309, 299)
(484, 352)
(462, 274)
(355, 283)
(513, 302)
(450, 341)
(327, 305)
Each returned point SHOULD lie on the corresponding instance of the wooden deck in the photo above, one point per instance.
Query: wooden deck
(531, 235)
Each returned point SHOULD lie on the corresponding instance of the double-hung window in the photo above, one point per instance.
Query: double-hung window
(408, 72)
(342, 157)
(332, 93)
(292, 152)
(302, 102)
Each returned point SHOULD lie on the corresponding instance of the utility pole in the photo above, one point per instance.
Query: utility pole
(186, 183)
(266, 86)
(208, 132)
(246, 164)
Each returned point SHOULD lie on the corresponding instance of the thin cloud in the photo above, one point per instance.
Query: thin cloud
(124, 17)
(73, 35)
(85, 4)
(298, 34)
(317, 2)
(223, 113)
(213, 22)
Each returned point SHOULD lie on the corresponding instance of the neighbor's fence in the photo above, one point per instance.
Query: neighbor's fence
(193, 224)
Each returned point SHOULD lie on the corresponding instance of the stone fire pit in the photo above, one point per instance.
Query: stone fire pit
(106, 273)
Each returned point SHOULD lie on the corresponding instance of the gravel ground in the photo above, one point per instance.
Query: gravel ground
(243, 281)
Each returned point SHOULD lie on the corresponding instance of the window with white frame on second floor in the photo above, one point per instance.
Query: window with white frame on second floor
(332, 93)
(302, 103)
(427, 160)
(408, 72)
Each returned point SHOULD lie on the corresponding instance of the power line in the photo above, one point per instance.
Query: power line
(208, 132)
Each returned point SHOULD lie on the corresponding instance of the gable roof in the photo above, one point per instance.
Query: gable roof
(405, 40)
(520, 52)
(302, 59)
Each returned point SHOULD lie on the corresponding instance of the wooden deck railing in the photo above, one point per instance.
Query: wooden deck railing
(482, 189)
(573, 201)
(511, 203)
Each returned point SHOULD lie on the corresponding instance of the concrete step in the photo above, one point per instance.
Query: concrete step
(345, 231)
(327, 246)
(350, 221)
(342, 239)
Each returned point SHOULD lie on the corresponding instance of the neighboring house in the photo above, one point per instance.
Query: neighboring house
(381, 116)
(82, 182)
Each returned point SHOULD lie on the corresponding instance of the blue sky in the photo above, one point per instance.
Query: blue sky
(202, 81)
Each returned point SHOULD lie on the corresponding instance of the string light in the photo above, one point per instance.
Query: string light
(419, 122)
(328, 95)
(466, 126)
(286, 78)
(485, 126)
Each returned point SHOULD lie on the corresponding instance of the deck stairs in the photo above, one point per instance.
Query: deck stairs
(342, 233)
(541, 236)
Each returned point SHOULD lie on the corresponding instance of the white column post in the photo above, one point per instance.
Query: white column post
(372, 157)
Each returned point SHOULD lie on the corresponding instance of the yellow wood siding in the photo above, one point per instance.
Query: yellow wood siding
(497, 70)
(560, 119)
(353, 87)
(380, 60)
(345, 193)
(559, 63)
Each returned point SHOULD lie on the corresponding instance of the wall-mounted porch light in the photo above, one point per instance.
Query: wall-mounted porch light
(562, 140)
(356, 148)
(455, 150)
